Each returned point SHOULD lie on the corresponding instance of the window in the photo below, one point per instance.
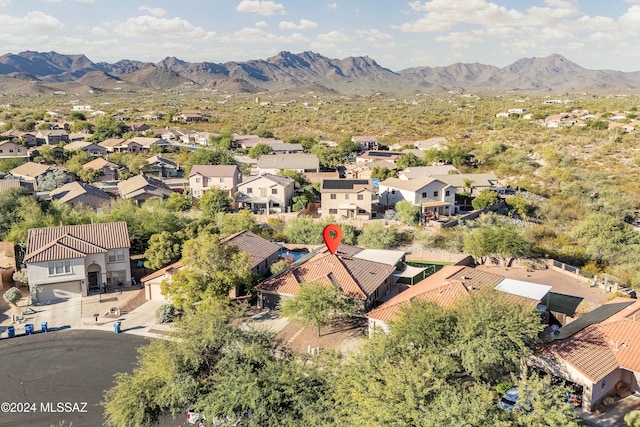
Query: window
(198, 180)
(424, 195)
(361, 211)
(347, 196)
(221, 179)
(274, 191)
(435, 194)
(333, 211)
(249, 190)
(446, 193)
(116, 255)
(360, 196)
(59, 267)
(263, 192)
(393, 191)
(116, 277)
(332, 196)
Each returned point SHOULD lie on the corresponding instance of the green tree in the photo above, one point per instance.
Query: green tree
(485, 199)
(603, 237)
(375, 235)
(303, 230)
(208, 156)
(164, 248)
(259, 150)
(179, 202)
(300, 180)
(231, 223)
(327, 156)
(106, 127)
(407, 212)
(317, 304)
(306, 195)
(215, 200)
(409, 160)
(494, 336)
(519, 205)
(382, 173)
(7, 164)
(74, 164)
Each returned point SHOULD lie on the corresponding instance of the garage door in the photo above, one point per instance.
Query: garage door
(155, 293)
(59, 291)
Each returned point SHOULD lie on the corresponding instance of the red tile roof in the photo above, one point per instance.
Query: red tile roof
(75, 241)
(169, 269)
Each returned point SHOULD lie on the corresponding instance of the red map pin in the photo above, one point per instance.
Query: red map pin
(332, 235)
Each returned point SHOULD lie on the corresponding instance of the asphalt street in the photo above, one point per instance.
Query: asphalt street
(54, 377)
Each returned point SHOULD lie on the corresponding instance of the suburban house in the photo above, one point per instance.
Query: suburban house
(447, 286)
(224, 177)
(160, 167)
(142, 188)
(72, 260)
(9, 150)
(153, 281)
(366, 142)
(141, 143)
(363, 280)
(364, 170)
(477, 181)
(31, 171)
(263, 252)
(378, 155)
(79, 193)
(189, 117)
(52, 137)
(7, 184)
(114, 145)
(277, 146)
(427, 171)
(29, 137)
(110, 171)
(300, 162)
(89, 147)
(347, 198)
(432, 195)
(266, 193)
(598, 351)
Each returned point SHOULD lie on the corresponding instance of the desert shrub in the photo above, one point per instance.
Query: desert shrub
(166, 313)
(632, 419)
(12, 296)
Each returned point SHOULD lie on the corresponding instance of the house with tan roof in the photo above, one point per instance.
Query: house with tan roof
(73, 260)
(266, 193)
(110, 171)
(152, 282)
(52, 137)
(432, 195)
(361, 279)
(347, 198)
(366, 142)
(114, 145)
(89, 147)
(142, 188)
(300, 162)
(10, 150)
(599, 351)
(224, 177)
(160, 167)
(31, 171)
(79, 193)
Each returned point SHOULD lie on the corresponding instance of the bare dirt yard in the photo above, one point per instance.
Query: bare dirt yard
(345, 336)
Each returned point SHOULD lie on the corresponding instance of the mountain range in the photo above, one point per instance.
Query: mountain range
(39, 72)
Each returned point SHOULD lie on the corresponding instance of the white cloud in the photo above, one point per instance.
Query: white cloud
(304, 24)
(155, 11)
(332, 37)
(264, 8)
(4, 3)
(258, 36)
(85, 1)
(99, 31)
(373, 35)
(458, 40)
(631, 18)
(334, 6)
(149, 26)
(261, 24)
(52, 1)
(37, 21)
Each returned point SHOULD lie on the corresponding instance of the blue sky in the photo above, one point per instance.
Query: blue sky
(597, 34)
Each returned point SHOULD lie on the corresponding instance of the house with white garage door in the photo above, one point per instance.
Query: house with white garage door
(73, 260)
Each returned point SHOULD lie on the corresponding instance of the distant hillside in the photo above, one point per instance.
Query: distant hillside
(289, 71)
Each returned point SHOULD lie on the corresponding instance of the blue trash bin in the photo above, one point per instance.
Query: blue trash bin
(116, 327)
(28, 328)
(11, 331)
(44, 326)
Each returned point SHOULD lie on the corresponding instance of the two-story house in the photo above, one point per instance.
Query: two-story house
(347, 198)
(366, 142)
(72, 260)
(160, 167)
(109, 170)
(9, 150)
(142, 188)
(432, 195)
(52, 137)
(79, 193)
(266, 193)
(224, 177)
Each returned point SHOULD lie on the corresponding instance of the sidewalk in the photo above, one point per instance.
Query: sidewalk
(614, 417)
(136, 316)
